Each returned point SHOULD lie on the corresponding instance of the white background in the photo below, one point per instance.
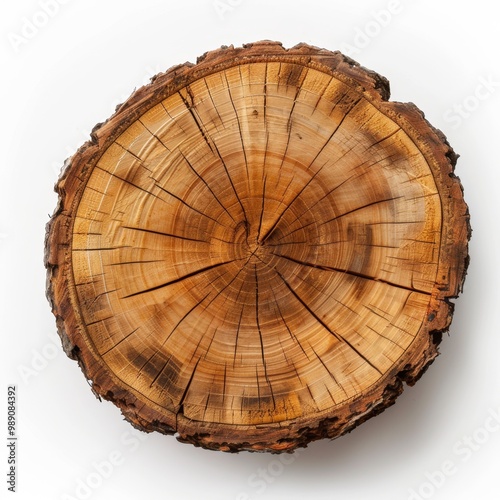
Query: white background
(65, 75)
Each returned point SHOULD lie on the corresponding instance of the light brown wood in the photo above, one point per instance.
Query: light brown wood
(256, 251)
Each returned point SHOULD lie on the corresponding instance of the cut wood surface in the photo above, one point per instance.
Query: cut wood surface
(256, 251)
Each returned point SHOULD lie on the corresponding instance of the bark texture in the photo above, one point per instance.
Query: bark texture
(258, 250)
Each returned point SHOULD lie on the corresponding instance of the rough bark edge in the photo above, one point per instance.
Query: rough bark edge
(285, 436)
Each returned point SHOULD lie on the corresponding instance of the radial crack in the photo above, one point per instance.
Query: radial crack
(352, 273)
(182, 278)
(324, 325)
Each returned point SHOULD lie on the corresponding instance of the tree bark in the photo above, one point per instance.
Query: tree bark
(256, 251)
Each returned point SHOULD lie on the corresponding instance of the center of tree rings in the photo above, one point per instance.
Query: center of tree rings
(256, 251)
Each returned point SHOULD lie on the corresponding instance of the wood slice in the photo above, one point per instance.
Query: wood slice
(256, 251)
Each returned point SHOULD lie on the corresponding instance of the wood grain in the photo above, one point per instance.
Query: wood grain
(256, 251)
